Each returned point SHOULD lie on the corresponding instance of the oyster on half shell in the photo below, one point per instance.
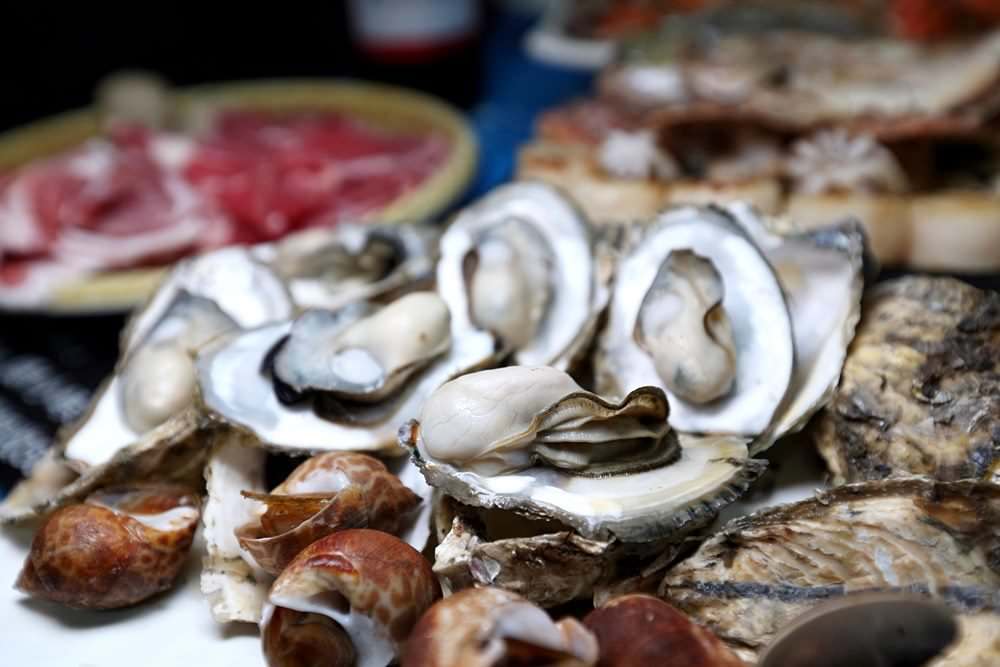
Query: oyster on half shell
(523, 264)
(341, 380)
(580, 474)
(142, 422)
(745, 329)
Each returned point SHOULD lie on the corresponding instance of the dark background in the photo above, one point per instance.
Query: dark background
(51, 56)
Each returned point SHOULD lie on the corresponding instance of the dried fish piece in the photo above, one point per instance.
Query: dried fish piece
(916, 535)
(920, 391)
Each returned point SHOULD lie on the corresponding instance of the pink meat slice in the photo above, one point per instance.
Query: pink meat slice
(274, 174)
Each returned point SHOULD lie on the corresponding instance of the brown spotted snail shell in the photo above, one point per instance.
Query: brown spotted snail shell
(352, 597)
(325, 494)
(487, 627)
(119, 547)
(637, 629)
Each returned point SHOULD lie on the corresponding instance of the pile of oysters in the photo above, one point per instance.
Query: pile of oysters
(507, 442)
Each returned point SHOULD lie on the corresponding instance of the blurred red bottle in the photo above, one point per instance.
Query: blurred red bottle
(426, 44)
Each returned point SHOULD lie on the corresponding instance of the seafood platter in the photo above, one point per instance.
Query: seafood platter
(522, 438)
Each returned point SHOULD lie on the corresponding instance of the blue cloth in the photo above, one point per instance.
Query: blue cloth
(515, 89)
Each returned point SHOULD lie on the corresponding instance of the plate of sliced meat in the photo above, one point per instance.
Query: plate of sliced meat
(94, 203)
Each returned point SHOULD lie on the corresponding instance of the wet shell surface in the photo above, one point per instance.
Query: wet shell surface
(521, 263)
(484, 439)
(118, 548)
(373, 586)
(653, 308)
(912, 535)
(921, 386)
(331, 268)
(745, 328)
(324, 494)
(490, 627)
(237, 385)
(142, 405)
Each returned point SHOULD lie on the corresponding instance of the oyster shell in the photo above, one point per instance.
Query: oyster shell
(978, 643)
(237, 385)
(329, 269)
(819, 276)
(234, 585)
(650, 287)
(172, 452)
(349, 356)
(920, 392)
(145, 406)
(521, 263)
(524, 439)
(914, 535)
(542, 560)
(822, 273)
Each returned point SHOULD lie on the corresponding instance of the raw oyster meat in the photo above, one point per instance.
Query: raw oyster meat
(362, 371)
(913, 535)
(523, 264)
(744, 328)
(920, 392)
(142, 422)
(555, 486)
(531, 440)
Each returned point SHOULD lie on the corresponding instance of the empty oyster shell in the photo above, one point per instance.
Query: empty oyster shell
(372, 586)
(331, 268)
(520, 263)
(324, 494)
(118, 548)
(489, 627)
(909, 535)
(921, 390)
(237, 385)
(636, 630)
(752, 301)
(172, 452)
(822, 273)
(525, 439)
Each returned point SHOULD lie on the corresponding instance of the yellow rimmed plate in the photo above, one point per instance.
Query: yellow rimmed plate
(384, 106)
